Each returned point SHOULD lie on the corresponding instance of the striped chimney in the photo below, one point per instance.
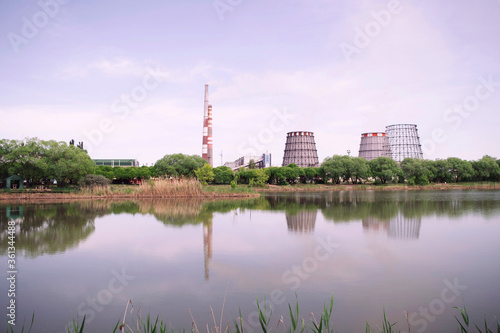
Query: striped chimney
(207, 151)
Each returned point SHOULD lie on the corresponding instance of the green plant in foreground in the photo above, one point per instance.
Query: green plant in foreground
(464, 327)
(297, 324)
(387, 327)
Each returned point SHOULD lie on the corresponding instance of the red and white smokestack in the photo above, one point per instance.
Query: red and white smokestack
(207, 152)
(210, 152)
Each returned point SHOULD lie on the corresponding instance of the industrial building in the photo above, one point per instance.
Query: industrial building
(397, 142)
(117, 162)
(262, 161)
(300, 148)
(207, 149)
(374, 145)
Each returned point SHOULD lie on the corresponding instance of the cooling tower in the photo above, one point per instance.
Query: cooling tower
(403, 142)
(300, 149)
(373, 145)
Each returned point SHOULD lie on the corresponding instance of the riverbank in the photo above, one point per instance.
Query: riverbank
(166, 188)
(385, 187)
(192, 189)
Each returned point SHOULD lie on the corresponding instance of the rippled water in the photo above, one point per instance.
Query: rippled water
(420, 251)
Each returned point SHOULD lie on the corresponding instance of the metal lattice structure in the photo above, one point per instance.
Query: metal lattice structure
(403, 141)
(374, 145)
(300, 148)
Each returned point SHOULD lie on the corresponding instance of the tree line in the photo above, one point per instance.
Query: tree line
(40, 162)
(356, 170)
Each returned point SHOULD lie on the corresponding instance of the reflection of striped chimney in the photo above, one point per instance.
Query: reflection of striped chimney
(207, 151)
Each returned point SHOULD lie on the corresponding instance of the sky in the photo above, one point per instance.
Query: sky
(127, 77)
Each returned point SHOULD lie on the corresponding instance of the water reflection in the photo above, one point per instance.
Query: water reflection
(399, 227)
(207, 247)
(52, 228)
(302, 222)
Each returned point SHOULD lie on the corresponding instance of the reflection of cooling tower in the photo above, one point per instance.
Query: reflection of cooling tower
(403, 142)
(374, 224)
(402, 227)
(304, 221)
(373, 145)
(300, 148)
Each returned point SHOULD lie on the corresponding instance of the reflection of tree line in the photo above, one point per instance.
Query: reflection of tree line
(51, 228)
(48, 228)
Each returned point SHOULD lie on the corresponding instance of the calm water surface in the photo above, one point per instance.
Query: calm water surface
(423, 251)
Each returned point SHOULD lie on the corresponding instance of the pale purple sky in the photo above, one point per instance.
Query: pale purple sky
(127, 77)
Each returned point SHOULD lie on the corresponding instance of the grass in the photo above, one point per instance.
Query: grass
(295, 324)
(227, 189)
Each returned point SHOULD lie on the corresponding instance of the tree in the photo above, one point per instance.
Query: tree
(178, 165)
(67, 164)
(384, 168)
(251, 164)
(415, 171)
(260, 178)
(332, 168)
(223, 175)
(486, 169)
(205, 174)
(311, 174)
(292, 172)
(459, 170)
(276, 175)
(360, 169)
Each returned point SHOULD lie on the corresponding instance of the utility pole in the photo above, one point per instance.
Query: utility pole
(221, 157)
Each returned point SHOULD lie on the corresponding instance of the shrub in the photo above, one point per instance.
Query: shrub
(93, 181)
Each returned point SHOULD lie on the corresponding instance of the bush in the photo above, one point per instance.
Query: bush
(93, 181)
(233, 184)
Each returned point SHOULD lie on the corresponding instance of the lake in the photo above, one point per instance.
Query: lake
(420, 251)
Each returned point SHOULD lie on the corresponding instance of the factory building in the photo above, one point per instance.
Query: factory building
(300, 148)
(117, 162)
(262, 161)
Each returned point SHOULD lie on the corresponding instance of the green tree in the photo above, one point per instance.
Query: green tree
(260, 178)
(384, 168)
(67, 164)
(28, 159)
(360, 169)
(459, 170)
(252, 164)
(415, 171)
(105, 170)
(276, 175)
(441, 171)
(311, 174)
(205, 174)
(486, 169)
(332, 168)
(292, 173)
(178, 165)
(223, 175)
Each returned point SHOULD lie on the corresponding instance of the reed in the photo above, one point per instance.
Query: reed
(295, 324)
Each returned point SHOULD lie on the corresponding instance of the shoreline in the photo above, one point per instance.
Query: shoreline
(390, 187)
(46, 196)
